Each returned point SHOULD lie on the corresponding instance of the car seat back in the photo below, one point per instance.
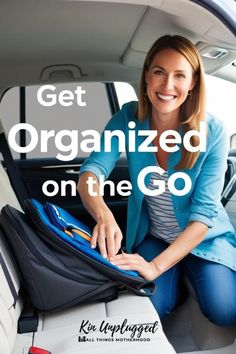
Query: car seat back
(10, 302)
(229, 200)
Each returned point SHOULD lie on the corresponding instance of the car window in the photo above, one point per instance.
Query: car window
(67, 106)
(10, 111)
(77, 107)
(221, 101)
(125, 93)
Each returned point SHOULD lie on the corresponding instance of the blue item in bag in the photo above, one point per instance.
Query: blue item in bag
(74, 232)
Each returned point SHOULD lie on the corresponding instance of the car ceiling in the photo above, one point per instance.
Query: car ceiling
(50, 40)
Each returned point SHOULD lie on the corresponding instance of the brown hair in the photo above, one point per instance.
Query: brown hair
(192, 111)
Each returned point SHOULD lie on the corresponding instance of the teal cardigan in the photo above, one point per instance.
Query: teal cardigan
(201, 203)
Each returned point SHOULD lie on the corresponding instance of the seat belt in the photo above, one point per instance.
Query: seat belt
(8, 278)
(229, 191)
(13, 171)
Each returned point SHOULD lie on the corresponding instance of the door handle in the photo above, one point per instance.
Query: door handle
(71, 171)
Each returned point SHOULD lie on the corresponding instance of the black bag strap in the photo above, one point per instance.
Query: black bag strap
(13, 171)
(8, 278)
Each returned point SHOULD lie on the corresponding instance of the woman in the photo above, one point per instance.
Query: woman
(169, 234)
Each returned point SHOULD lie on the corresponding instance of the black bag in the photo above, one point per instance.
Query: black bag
(55, 274)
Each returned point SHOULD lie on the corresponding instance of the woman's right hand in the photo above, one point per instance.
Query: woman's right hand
(107, 235)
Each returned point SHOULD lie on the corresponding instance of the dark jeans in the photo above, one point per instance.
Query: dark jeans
(213, 283)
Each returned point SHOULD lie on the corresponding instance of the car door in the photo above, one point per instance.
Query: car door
(50, 125)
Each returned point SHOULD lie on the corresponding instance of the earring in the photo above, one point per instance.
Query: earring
(189, 93)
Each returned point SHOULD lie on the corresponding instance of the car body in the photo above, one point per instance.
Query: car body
(88, 56)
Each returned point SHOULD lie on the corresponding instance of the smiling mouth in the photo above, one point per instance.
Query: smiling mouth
(165, 97)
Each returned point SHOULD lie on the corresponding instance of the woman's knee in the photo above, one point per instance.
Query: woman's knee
(166, 296)
(163, 305)
(215, 288)
(167, 285)
(218, 304)
(221, 313)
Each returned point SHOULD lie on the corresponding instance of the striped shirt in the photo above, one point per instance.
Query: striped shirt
(163, 222)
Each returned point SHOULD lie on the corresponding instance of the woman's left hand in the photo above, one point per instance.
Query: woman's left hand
(136, 262)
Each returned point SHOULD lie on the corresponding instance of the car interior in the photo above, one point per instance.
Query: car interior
(93, 45)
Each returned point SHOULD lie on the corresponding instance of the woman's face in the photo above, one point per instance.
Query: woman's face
(169, 79)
